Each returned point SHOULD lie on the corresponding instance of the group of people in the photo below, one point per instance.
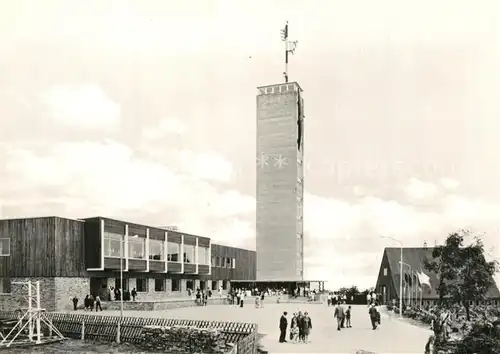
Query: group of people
(202, 296)
(89, 302)
(342, 315)
(300, 327)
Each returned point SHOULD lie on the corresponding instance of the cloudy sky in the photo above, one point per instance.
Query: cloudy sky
(145, 111)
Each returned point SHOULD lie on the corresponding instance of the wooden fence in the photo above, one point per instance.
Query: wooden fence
(105, 328)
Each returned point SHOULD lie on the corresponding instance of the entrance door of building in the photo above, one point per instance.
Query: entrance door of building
(384, 294)
(99, 286)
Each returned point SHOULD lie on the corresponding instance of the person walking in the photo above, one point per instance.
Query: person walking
(98, 304)
(338, 314)
(348, 317)
(343, 318)
(283, 325)
(374, 316)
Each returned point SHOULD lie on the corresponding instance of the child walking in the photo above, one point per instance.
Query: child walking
(348, 317)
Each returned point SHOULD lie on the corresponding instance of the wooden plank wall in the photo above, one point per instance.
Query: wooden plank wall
(70, 248)
(5, 261)
(32, 246)
(245, 263)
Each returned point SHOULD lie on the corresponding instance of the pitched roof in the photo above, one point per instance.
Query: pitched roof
(414, 257)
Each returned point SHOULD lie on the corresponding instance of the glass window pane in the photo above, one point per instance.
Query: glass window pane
(203, 255)
(159, 284)
(136, 248)
(4, 246)
(156, 250)
(173, 249)
(189, 254)
(142, 285)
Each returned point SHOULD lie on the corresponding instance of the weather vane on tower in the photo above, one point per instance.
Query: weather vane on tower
(290, 47)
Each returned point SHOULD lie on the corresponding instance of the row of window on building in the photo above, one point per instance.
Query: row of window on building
(223, 262)
(142, 285)
(160, 285)
(137, 250)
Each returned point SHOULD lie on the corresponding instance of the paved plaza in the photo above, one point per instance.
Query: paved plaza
(393, 336)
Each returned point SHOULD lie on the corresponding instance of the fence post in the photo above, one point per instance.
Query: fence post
(50, 329)
(118, 333)
(83, 330)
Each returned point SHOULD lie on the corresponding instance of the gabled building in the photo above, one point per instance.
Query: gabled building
(388, 281)
(79, 257)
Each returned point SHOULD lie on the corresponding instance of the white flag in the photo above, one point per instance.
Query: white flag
(424, 278)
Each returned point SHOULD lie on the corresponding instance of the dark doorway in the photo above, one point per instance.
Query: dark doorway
(99, 286)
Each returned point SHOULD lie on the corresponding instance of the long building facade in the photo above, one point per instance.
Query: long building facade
(80, 257)
(280, 181)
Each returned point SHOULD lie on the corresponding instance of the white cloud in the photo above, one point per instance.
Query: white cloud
(205, 165)
(166, 127)
(417, 189)
(449, 183)
(79, 179)
(343, 242)
(81, 106)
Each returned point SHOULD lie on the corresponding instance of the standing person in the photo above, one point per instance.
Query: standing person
(306, 327)
(294, 329)
(283, 325)
(300, 318)
(348, 317)
(262, 299)
(338, 314)
(98, 303)
(91, 303)
(86, 302)
(368, 299)
(374, 297)
(134, 294)
(75, 303)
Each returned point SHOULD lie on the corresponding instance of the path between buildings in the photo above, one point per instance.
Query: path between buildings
(393, 336)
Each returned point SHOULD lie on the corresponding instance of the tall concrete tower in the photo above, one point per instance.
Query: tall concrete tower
(280, 181)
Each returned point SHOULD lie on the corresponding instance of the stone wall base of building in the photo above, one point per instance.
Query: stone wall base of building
(161, 304)
(56, 293)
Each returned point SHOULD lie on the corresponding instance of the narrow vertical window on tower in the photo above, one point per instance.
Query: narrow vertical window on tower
(299, 122)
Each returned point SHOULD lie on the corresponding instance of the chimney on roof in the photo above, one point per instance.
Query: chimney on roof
(425, 244)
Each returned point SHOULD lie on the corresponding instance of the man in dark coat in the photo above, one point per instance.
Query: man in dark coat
(283, 325)
(339, 314)
(374, 316)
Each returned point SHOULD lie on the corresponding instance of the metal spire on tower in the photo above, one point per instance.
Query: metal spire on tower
(290, 47)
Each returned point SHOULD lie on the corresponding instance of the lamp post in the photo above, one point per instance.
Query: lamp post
(122, 246)
(411, 274)
(400, 274)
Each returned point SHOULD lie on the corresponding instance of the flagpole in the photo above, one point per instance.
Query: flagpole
(289, 48)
